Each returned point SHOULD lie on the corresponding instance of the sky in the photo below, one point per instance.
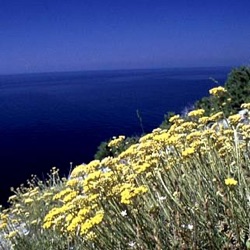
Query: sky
(76, 35)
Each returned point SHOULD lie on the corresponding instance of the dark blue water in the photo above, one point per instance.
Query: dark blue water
(53, 119)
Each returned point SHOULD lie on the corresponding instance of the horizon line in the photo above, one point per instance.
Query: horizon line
(118, 69)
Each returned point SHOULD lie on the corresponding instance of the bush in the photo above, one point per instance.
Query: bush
(21, 223)
(237, 88)
(182, 188)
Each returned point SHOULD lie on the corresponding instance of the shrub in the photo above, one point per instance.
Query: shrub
(21, 223)
(186, 187)
(237, 88)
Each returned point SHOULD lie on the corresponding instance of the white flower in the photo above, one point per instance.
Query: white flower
(132, 244)
(188, 226)
(162, 198)
(124, 213)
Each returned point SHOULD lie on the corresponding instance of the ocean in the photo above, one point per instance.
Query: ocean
(53, 119)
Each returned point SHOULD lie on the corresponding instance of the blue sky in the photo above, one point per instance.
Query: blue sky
(72, 35)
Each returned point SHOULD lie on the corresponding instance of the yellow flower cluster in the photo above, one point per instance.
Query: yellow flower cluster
(196, 113)
(116, 141)
(97, 196)
(234, 119)
(245, 105)
(129, 193)
(114, 180)
(230, 182)
(218, 91)
(28, 205)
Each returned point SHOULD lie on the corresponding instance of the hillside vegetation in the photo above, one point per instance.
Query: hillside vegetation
(184, 187)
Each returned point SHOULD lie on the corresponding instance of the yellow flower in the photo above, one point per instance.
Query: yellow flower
(218, 91)
(89, 223)
(130, 192)
(188, 152)
(48, 220)
(196, 113)
(47, 224)
(156, 131)
(116, 141)
(76, 221)
(231, 182)
(92, 178)
(13, 197)
(83, 212)
(3, 225)
(97, 218)
(216, 116)
(33, 222)
(234, 119)
(245, 105)
(141, 167)
(189, 125)
(4, 216)
(78, 171)
(34, 192)
(70, 196)
(204, 120)
(47, 194)
(69, 218)
(12, 234)
(145, 138)
(174, 118)
(62, 194)
(28, 201)
(193, 135)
